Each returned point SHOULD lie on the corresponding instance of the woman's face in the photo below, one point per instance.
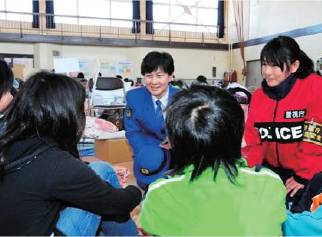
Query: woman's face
(274, 75)
(5, 101)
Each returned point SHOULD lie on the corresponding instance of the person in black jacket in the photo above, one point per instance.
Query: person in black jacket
(44, 187)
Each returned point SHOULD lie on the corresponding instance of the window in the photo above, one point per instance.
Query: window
(68, 8)
(202, 14)
(96, 10)
(122, 10)
(24, 6)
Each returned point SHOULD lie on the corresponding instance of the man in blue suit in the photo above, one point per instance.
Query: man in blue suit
(144, 114)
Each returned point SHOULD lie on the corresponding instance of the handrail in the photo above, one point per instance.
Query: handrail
(51, 24)
(106, 18)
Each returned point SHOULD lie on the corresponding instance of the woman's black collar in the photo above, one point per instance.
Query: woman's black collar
(282, 90)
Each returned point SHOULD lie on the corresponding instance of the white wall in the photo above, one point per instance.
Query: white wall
(273, 17)
(310, 44)
(16, 48)
(268, 17)
(189, 63)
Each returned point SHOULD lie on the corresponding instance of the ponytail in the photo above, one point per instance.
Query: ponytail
(306, 66)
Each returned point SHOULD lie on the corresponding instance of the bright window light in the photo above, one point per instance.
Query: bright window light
(67, 8)
(122, 10)
(197, 12)
(16, 6)
(99, 9)
(117, 9)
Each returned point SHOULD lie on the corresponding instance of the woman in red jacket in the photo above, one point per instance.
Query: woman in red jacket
(284, 126)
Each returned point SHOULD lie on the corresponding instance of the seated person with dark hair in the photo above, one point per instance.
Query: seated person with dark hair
(45, 189)
(211, 191)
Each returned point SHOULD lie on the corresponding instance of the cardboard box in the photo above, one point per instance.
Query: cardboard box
(23, 73)
(113, 150)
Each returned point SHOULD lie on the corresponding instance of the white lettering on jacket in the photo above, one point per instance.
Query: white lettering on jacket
(280, 132)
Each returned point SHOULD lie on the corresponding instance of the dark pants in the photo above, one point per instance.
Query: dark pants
(302, 200)
(310, 190)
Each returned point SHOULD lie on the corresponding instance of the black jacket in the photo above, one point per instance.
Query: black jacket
(40, 179)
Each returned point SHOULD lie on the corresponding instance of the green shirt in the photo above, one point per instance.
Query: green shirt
(254, 205)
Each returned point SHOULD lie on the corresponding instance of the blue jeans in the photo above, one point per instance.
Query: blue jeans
(77, 222)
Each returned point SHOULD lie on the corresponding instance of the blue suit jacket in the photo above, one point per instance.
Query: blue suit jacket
(140, 117)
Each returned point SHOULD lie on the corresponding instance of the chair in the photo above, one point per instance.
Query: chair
(109, 83)
(109, 93)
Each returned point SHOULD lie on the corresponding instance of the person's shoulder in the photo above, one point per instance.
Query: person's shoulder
(312, 84)
(136, 93)
(140, 90)
(258, 92)
(314, 78)
(173, 90)
(57, 155)
(165, 184)
(257, 96)
(262, 183)
(261, 175)
(65, 162)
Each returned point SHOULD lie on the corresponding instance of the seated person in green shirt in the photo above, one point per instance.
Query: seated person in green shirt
(211, 191)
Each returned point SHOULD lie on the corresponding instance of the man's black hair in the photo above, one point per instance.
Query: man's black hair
(153, 60)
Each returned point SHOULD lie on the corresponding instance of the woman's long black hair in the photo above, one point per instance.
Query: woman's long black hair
(49, 106)
(205, 126)
(284, 49)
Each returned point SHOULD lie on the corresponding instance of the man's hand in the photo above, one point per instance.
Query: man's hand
(293, 186)
(166, 146)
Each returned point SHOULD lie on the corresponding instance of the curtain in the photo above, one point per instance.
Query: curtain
(35, 17)
(221, 19)
(50, 21)
(149, 17)
(136, 16)
(239, 20)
